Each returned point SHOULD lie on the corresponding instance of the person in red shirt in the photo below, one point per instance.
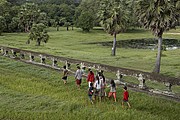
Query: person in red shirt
(90, 78)
(125, 97)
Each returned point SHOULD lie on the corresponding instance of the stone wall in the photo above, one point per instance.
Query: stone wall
(43, 57)
(51, 61)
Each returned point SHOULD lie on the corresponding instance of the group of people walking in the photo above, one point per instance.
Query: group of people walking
(97, 85)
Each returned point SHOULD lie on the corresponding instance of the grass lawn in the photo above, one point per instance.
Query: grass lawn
(73, 44)
(28, 92)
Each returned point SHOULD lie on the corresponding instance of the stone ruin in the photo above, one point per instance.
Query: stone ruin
(142, 84)
(54, 62)
(31, 57)
(14, 53)
(43, 59)
(11, 52)
(22, 56)
(68, 65)
(168, 85)
(119, 78)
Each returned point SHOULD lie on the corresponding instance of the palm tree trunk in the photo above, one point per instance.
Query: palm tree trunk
(158, 59)
(114, 46)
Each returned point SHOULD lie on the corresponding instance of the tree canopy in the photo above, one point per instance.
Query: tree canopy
(159, 16)
(38, 33)
(113, 18)
(86, 14)
(21, 14)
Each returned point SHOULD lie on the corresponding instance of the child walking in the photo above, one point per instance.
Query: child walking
(90, 78)
(97, 86)
(90, 92)
(65, 73)
(78, 76)
(103, 86)
(125, 97)
(112, 90)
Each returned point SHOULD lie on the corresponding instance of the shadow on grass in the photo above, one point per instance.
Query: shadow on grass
(135, 30)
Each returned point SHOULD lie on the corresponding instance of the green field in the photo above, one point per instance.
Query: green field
(74, 44)
(28, 92)
(75, 33)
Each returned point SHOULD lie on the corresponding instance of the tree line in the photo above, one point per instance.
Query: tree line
(19, 15)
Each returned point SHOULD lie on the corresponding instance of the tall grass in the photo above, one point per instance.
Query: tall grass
(28, 92)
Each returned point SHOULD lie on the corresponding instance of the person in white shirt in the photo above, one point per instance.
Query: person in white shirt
(97, 86)
(78, 76)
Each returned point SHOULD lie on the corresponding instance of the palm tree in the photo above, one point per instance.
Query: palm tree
(113, 18)
(159, 16)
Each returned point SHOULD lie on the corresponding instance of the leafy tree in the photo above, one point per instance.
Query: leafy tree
(60, 13)
(66, 15)
(86, 14)
(52, 10)
(67, 12)
(13, 26)
(67, 24)
(159, 16)
(38, 33)
(52, 23)
(43, 18)
(4, 7)
(58, 2)
(28, 15)
(17, 2)
(113, 18)
(2, 24)
(8, 12)
(131, 6)
(7, 21)
(57, 22)
(85, 21)
(5, 12)
(177, 4)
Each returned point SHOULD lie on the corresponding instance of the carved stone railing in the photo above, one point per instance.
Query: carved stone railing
(30, 56)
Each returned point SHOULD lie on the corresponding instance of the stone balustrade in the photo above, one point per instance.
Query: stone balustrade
(168, 85)
(13, 52)
(43, 59)
(31, 57)
(22, 56)
(54, 62)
